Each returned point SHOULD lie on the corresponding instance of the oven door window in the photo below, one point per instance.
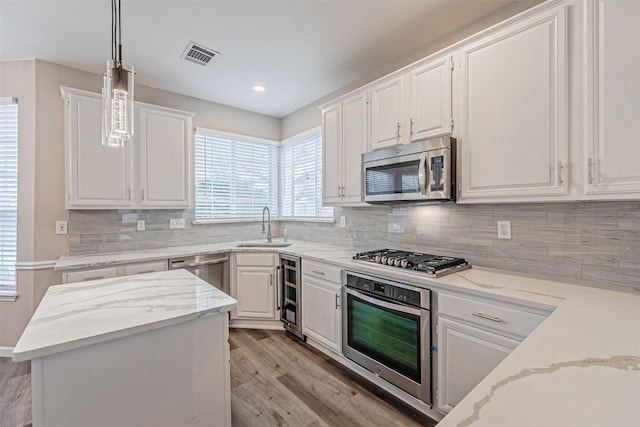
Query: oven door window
(387, 336)
(393, 179)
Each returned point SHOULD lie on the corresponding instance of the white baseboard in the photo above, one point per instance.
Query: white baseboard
(6, 351)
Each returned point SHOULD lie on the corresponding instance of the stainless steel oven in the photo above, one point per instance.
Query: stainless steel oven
(387, 330)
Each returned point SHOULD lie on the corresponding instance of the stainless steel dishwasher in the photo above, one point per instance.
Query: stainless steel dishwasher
(213, 268)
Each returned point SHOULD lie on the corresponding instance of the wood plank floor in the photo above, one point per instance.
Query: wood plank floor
(275, 381)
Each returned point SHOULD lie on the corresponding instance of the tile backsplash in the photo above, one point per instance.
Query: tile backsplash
(595, 243)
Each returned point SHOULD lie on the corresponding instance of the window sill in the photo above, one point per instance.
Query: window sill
(241, 220)
(8, 296)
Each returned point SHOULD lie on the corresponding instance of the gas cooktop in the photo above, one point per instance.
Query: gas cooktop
(414, 262)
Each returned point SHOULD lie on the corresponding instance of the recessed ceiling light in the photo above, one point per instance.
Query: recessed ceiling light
(258, 88)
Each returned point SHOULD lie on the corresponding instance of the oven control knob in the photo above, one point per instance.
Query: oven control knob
(383, 260)
(378, 259)
(391, 260)
(397, 262)
(406, 264)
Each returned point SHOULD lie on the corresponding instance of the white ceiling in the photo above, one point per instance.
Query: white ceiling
(301, 50)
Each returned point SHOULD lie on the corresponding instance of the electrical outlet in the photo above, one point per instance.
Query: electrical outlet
(504, 229)
(343, 221)
(61, 227)
(140, 225)
(176, 223)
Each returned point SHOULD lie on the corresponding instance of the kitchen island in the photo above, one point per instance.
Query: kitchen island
(139, 350)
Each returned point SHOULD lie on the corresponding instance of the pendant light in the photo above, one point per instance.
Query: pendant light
(117, 90)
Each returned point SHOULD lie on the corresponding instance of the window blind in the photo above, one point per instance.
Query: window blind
(301, 178)
(8, 194)
(235, 177)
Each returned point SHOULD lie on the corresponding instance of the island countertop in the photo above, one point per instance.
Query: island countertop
(81, 314)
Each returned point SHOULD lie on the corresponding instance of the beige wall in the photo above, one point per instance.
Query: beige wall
(36, 84)
(309, 116)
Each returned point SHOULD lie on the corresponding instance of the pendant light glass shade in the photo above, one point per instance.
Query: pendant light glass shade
(117, 104)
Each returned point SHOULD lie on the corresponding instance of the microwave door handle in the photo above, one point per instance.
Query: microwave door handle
(422, 175)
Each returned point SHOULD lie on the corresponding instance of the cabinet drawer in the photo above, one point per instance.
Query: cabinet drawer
(95, 274)
(147, 267)
(266, 260)
(489, 314)
(322, 271)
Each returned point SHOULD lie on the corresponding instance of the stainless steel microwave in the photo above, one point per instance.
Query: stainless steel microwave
(420, 171)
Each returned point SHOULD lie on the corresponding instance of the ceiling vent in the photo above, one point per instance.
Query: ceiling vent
(198, 54)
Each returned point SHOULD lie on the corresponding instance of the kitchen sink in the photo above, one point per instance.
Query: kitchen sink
(263, 244)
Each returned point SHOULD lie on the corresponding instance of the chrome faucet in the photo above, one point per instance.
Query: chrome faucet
(266, 208)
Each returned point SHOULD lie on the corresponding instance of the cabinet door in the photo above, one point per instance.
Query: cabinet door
(255, 292)
(430, 100)
(513, 136)
(97, 176)
(321, 318)
(387, 114)
(613, 167)
(465, 356)
(354, 142)
(332, 155)
(165, 152)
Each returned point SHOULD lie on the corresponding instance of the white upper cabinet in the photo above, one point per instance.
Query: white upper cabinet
(165, 148)
(430, 100)
(153, 170)
(344, 136)
(96, 176)
(332, 155)
(612, 158)
(513, 109)
(387, 113)
(413, 106)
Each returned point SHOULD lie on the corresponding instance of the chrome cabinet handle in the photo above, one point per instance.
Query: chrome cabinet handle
(486, 316)
(337, 301)
(142, 194)
(271, 280)
(398, 131)
(411, 127)
(590, 165)
(92, 278)
(560, 172)
(318, 272)
(145, 272)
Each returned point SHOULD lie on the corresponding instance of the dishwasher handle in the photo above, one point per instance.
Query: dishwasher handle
(181, 263)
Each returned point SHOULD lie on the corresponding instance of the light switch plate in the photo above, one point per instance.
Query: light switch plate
(176, 223)
(140, 225)
(61, 227)
(504, 229)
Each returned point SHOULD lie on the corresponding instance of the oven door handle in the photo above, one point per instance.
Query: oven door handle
(422, 175)
(391, 306)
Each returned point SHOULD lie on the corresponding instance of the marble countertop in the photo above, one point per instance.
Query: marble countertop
(80, 314)
(580, 367)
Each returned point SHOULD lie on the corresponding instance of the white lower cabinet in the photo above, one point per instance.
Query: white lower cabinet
(114, 271)
(253, 284)
(321, 304)
(474, 334)
(466, 355)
